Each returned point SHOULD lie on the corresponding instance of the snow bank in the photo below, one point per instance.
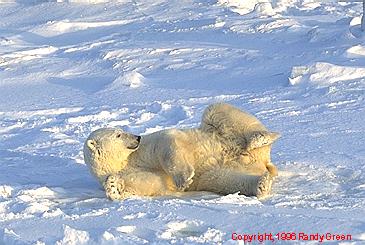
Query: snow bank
(130, 79)
(324, 74)
(74, 237)
(14, 58)
(357, 51)
(259, 7)
(54, 28)
(264, 9)
(238, 6)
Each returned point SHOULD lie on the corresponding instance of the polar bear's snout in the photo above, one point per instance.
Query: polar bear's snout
(132, 141)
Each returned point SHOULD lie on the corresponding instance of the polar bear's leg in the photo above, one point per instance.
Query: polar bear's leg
(177, 165)
(182, 176)
(227, 181)
(138, 182)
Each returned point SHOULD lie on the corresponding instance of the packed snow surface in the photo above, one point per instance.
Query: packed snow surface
(70, 67)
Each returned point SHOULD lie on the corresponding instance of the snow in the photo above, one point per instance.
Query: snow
(74, 237)
(131, 79)
(70, 67)
(324, 74)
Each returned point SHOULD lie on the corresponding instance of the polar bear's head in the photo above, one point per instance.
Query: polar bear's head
(106, 151)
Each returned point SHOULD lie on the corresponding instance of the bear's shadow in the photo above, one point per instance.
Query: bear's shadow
(27, 170)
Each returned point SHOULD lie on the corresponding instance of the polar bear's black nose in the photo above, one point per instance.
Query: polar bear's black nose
(138, 138)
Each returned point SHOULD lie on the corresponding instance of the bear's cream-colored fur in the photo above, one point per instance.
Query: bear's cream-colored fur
(228, 153)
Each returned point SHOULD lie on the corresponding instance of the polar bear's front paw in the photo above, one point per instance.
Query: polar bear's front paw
(264, 185)
(183, 180)
(114, 188)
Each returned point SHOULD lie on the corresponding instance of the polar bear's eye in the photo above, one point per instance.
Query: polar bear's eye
(119, 135)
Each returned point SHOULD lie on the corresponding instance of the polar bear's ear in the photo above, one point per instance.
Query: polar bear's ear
(259, 139)
(91, 144)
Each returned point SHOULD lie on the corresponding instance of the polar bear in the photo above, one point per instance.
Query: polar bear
(199, 159)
